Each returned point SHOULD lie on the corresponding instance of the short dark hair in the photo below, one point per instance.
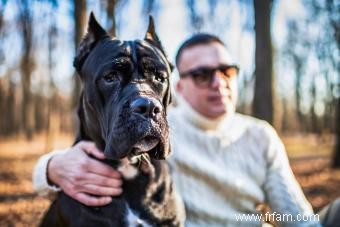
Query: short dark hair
(197, 39)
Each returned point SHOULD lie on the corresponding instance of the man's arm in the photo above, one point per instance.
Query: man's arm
(78, 175)
(39, 177)
(283, 192)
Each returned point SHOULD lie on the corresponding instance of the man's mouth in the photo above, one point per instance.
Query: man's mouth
(216, 99)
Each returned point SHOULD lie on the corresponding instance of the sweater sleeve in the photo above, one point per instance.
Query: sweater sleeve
(283, 192)
(39, 176)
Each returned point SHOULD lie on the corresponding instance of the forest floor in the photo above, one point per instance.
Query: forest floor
(20, 206)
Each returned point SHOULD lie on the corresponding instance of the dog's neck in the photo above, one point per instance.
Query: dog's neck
(83, 133)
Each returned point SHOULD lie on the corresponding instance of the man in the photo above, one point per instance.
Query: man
(224, 164)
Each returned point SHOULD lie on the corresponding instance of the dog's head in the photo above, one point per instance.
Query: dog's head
(126, 91)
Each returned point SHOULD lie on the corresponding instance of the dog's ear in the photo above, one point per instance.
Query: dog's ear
(81, 134)
(95, 32)
(151, 35)
(168, 96)
(152, 38)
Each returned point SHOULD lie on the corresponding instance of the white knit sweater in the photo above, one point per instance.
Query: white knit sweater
(223, 168)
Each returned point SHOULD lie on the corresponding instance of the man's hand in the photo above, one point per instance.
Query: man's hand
(79, 175)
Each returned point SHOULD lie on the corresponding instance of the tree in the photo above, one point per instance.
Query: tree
(80, 16)
(52, 103)
(2, 107)
(336, 157)
(2, 89)
(333, 13)
(12, 123)
(26, 67)
(295, 41)
(198, 19)
(303, 42)
(263, 106)
(110, 12)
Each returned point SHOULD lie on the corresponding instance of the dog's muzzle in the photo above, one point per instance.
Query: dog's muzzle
(146, 107)
(141, 128)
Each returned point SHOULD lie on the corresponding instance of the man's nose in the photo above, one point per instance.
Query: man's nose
(146, 108)
(218, 80)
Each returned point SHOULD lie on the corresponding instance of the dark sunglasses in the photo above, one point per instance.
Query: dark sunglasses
(203, 76)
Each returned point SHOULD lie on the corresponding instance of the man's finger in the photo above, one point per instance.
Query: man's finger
(91, 149)
(97, 167)
(91, 178)
(100, 190)
(91, 200)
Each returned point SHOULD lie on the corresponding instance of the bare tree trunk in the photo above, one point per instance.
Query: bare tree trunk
(2, 23)
(314, 118)
(263, 106)
(3, 116)
(336, 157)
(27, 104)
(11, 122)
(2, 8)
(298, 71)
(80, 21)
(110, 11)
(26, 66)
(284, 119)
(2, 90)
(330, 106)
(52, 122)
(40, 119)
(196, 19)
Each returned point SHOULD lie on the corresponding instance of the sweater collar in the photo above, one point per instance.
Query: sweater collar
(198, 119)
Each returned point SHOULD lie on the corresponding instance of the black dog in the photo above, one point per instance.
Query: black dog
(123, 110)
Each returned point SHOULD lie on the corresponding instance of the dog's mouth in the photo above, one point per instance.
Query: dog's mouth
(145, 144)
(128, 141)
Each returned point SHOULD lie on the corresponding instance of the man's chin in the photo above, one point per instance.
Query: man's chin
(215, 113)
(220, 111)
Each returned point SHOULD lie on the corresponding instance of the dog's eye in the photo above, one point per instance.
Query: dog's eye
(158, 76)
(111, 76)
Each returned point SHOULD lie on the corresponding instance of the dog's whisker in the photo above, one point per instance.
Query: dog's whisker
(156, 152)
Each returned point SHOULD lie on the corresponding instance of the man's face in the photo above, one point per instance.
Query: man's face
(217, 99)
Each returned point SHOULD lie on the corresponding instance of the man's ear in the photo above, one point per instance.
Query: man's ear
(95, 32)
(152, 38)
(179, 86)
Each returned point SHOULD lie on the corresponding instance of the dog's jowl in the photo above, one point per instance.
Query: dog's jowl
(122, 109)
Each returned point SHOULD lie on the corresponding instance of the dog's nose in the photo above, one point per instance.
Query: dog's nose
(145, 107)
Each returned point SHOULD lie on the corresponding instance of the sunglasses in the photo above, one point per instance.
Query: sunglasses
(203, 76)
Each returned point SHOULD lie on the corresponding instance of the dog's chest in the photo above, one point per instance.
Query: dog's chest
(133, 219)
(129, 172)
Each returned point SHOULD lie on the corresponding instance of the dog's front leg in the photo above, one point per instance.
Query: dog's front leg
(152, 196)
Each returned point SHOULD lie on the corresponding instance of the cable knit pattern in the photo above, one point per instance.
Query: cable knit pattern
(227, 166)
(39, 176)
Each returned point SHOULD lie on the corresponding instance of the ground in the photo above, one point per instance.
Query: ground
(20, 206)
